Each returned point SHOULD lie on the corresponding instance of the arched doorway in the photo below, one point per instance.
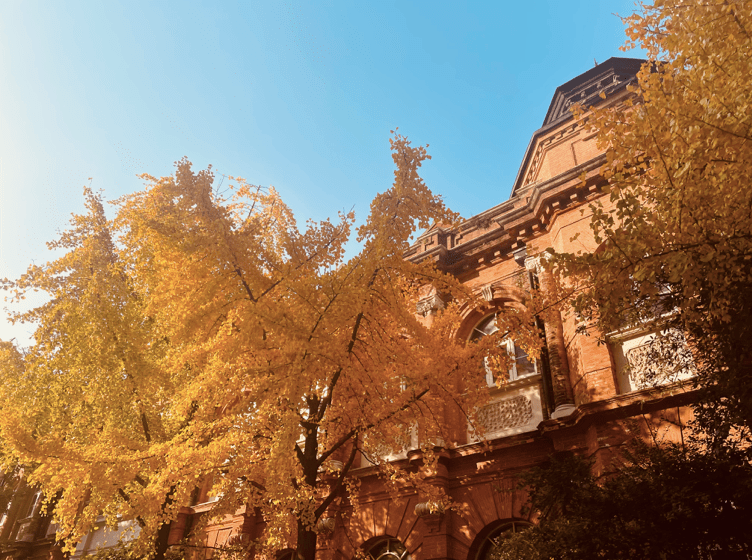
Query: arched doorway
(387, 548)
(486, 541)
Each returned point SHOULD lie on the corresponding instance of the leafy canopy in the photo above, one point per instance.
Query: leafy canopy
(199, 337)
(675, 255)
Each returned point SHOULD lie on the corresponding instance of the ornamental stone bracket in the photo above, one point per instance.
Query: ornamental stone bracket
(487, 293)
(429, 305)
(429, 509)
(563, 410)
(434, 530)
(533, 264)
(332, 466)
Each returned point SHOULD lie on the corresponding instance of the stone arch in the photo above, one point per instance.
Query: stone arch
(483, 541)
(497, 296)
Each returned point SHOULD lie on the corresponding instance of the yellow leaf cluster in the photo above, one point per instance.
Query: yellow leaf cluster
(197, 336)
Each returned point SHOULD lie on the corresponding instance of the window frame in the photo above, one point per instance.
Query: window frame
(511, 348)
(388, 553)
(624, 341)
(495, 531)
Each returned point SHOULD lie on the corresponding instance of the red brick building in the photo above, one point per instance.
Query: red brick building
(577, 398)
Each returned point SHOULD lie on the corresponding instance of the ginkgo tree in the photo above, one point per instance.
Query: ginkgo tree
(676, 228)
(196, 336)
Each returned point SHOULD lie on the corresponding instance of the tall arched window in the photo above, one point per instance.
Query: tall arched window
(522, 365)
(388, 549)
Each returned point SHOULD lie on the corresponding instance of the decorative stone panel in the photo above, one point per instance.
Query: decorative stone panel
(513, 409)
(645, 360)
(506, 414)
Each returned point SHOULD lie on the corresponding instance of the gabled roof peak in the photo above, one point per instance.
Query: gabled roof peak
(607, 77)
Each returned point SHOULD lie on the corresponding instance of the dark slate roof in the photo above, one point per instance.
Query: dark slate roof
(586, 88)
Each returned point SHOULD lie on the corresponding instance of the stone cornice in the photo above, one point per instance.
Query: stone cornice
(495, 234)
(622, 406)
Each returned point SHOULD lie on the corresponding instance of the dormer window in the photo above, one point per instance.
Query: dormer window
(522, 365)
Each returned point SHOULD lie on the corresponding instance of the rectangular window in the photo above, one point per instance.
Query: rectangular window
(522, 366)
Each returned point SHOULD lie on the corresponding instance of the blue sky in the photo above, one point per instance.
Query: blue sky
(299, 95)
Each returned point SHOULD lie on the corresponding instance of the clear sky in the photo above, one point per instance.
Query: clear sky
(299, 95)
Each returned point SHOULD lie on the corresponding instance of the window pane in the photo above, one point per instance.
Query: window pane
(524, 365)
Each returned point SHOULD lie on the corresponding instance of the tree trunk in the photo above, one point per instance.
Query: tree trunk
(162, 542)
(163, 535)
(306, 543)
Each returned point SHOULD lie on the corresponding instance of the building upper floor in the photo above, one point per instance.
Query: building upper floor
(496, 255)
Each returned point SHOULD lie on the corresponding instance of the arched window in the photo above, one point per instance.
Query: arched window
(501, 532)
(522, 365)
(388, 549)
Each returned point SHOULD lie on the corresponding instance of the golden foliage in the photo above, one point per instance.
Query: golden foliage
(198, 337)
